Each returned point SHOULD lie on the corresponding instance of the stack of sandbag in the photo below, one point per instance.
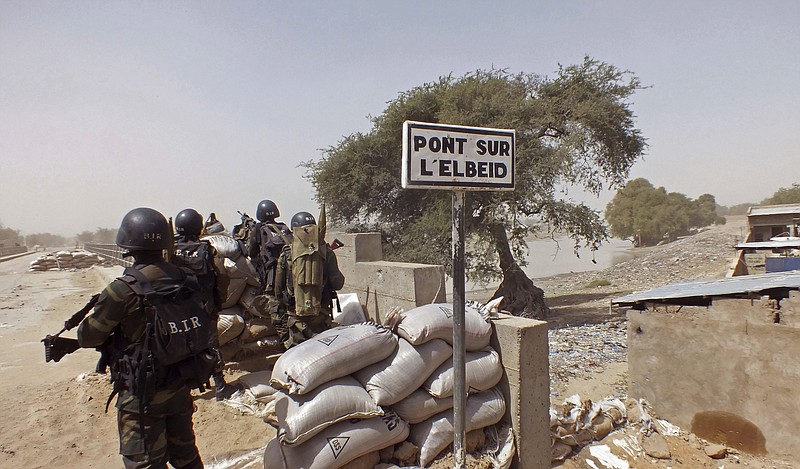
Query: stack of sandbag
(325, 418)
(65, 260)
(368, 384)
(245, 328)
(429, 407)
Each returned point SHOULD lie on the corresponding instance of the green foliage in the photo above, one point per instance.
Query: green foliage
(648, 214)
(738, 209)
(99, 236)
(784, 195)
(10, 235)
(572, 130)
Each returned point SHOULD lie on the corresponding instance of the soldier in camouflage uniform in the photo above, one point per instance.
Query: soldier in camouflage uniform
(159, 430)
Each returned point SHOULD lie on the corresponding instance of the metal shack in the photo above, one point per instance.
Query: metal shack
(719, 358)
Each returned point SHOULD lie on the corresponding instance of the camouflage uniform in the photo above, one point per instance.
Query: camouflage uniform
(299, 328)
(163, 431)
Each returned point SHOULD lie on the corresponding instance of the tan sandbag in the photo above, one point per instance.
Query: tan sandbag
(256, 329)
(435, 321)
(303, 416)
(255, 302)
(483, 371)
(332, 354)
(230, 324)
(420, 405)
(235, 289)
(435, 434)
(338, 444)
(403, 372)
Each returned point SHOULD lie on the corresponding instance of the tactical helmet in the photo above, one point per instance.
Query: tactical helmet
(188, 222)
(303, 219)
(144, 229)
(267, 211)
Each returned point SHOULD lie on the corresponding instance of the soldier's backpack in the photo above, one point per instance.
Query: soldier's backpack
(174, 348)
(272, 238)
(307, 267)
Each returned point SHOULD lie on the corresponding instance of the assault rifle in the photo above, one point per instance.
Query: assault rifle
(55, 347)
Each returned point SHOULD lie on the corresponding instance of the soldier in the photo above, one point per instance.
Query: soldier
(306, 280)
(198, 255)
(154, 416)
(265, 244)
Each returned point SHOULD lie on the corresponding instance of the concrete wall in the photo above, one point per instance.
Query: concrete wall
(728, 373)
(382, 285)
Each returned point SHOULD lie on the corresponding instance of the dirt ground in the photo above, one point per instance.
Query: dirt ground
(53, 413)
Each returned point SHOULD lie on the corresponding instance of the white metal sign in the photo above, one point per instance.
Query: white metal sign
(437, 156)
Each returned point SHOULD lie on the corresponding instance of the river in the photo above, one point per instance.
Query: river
(548, 257)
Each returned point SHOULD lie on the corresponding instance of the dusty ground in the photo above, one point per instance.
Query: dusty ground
(53, 413)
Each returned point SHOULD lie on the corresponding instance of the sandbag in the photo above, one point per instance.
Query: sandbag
(338, 444)
(241, 268)
(351, 310)
(257, 385)
(255, 301)
(235, 289)
(403, 372)
(256, 329)
(303, 416)
(435, 321)
(420, 406)
(225, 245)
(435, 434)
(483, 370)
(230, 324)
(332, 354)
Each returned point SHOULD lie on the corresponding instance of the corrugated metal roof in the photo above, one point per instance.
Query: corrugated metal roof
(774, 210)
(769, 244)
(719, 287)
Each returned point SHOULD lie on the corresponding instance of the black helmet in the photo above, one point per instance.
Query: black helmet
(303, 219)
(144, 229)
(188, 222)
(267, 211)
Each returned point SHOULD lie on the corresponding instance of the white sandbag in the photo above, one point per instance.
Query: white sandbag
(351, 310)
(301, 417)
(257, 385)
(230, 324)
(332, 354)
(435, 321)
(392, 379)
(420, 406)
(225, 245)
(483, 370)
(436, 433)
(338, 444)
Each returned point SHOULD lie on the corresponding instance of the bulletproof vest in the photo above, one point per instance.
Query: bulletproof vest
(196, 256)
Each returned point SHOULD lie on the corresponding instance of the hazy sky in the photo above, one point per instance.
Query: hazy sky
(107, 106)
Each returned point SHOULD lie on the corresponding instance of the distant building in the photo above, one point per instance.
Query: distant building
(773, 241)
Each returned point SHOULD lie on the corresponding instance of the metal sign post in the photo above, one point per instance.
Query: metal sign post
(459, 159)
(459, 313)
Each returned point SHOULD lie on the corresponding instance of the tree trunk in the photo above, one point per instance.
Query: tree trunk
(520, 296)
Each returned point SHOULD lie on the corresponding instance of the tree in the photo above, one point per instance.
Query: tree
(648, 215)
(573, 130)
(785, 195)
(10, 235)
(45, 239)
